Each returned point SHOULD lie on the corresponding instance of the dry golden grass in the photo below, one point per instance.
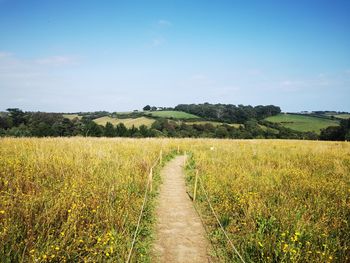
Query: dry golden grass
(280, 201)
(71, 199)
(76, 199)
(129, 122)
(72, 116)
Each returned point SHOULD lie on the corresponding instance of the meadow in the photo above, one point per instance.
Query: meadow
(78, 199)
(279, 201)
(72, 200)
(214, 123)
(173, 114)
(302, 123)
(128, 122)
(72, 116)
(341, 116)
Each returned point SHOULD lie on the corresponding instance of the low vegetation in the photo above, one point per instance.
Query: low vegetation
(73, 200)
(173, 114)
(216, 122)
(72, 116)
(78, 199)
(128, 122)
(341, 116)
(279, 201)
(303, 123)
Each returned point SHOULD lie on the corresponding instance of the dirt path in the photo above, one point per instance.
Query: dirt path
(180, 236)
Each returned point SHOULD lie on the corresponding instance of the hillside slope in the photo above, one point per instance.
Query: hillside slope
(302, 123)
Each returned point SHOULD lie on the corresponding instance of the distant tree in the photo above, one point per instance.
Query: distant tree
(121, 130)
(42, 129)
(109, 130)
(144, 131)
(68, 127)
(332, 133)
(147, 108)
(2, 132)
(133, 131)
(5, 122)
(347, 136)
(228, 112)
(91, 128)
(221, 132)
(337, 133)
(20, 131)
(17, 116)
(153, 108)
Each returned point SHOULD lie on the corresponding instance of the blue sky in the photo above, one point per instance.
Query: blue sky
(69, 56)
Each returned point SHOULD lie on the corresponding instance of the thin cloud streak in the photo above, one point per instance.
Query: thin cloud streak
(56, 61)
(164, 23)
(4, 54)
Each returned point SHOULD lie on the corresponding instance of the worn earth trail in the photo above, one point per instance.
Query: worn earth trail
(180, 236)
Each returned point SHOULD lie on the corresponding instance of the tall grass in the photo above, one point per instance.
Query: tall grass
(72, 199)
(280, 201)
(78, 199)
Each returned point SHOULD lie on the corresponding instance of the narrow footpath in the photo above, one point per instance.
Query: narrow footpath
(180, 235)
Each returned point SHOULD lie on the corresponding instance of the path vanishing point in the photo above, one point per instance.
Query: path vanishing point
(180, 235)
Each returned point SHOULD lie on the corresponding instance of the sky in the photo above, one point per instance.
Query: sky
(89, 55)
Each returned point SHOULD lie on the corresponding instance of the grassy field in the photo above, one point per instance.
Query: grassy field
(173, 114)
(129, 122)
(341, 116)
(71, 116)
(279, 201)
(214, 123)
(73, 199)
(302, 123)
(78, 199)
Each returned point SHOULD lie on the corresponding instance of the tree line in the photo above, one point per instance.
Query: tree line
(17, 123)
(229, 113)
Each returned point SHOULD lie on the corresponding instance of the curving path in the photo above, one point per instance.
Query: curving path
(180, 236)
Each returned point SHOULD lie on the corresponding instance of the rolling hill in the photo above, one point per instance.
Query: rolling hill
(129, 122)
(172, 114)
(302, 123)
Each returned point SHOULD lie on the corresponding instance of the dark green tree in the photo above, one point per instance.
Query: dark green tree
(147, 108)
(109, 130)
(121, 130)
(144, 131)
(17, 116)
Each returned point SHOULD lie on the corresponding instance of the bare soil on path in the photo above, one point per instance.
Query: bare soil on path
(180, 235)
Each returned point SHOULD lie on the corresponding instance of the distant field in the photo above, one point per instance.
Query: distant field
(341, 116)
(214, 123)
(265, 128)
(129, 122)
(302, 123)
(71, 116)
(173, 114)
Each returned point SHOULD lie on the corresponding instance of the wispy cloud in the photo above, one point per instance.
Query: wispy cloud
(199, 77)
(56, 61)
(158, 41)
(4, 54)
(255, 72)
(307, 84)
(164, 23)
